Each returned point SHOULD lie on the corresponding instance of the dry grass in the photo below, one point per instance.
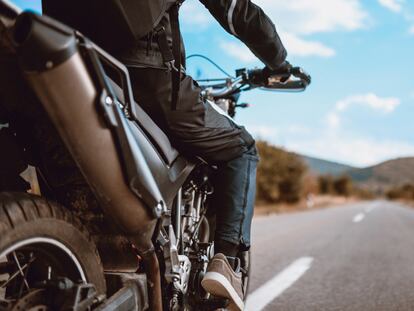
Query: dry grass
(409, 203)
(319, 202)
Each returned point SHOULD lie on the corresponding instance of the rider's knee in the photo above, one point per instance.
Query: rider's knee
(250, 147)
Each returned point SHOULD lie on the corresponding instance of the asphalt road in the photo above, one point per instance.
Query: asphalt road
(354, 257)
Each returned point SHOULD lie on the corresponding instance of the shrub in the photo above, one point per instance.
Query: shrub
(405, 192)
(343, 186)
(325, 183)
(279, 175)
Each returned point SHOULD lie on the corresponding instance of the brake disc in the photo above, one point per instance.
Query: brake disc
(35, 300)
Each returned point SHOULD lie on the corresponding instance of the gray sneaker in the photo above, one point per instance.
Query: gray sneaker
(222, 281)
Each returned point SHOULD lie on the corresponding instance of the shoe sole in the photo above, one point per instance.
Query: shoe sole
(216, 284)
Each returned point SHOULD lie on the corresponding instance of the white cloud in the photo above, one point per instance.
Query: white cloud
(300, 47)
(338, 145)
(295, 19)
(393, 5)
(238, 51)
(308, 17)
(333, 120)
(397, 6)
(371, 100)
(384, 105)
(355, 151)
(295, 16)
(298, 129)
(194, 15)
(269, 133)
(294, 44)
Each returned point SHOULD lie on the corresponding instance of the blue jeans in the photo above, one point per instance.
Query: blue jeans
(234, 198)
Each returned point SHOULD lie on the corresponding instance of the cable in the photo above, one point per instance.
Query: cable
(211, 62)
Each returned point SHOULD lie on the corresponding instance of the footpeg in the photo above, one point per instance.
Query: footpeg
(213, 304)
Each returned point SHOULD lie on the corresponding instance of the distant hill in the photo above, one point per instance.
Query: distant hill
(324, 167)
(388, 174)
(384, 175)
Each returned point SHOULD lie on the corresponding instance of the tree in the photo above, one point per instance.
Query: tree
(343, 186)
(325, 183)
(280, 175)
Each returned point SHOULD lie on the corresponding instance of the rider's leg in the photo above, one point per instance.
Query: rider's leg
(235, 187)
(197, 128)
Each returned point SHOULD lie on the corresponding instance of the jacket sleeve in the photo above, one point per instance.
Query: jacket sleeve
(252, 26)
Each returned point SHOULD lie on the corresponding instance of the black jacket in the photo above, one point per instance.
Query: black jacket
(241, 18)
(252, 26)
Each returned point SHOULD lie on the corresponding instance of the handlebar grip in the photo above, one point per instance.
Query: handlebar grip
(261, 77)
(255, 73)
(302, 75)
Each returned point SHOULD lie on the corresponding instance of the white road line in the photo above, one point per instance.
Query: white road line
(261, 297)
(359, 217)
(370, 208)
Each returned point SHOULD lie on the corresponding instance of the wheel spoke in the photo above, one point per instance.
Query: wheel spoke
(26, 265)
(3, 284)
(13, 276)
(21, 270)
(49, 272)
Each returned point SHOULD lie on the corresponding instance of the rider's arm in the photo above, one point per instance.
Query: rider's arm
(251, 25)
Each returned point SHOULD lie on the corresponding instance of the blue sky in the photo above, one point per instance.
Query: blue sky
(359, 109)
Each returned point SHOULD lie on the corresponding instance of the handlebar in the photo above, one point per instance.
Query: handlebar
(293, 79)
(219, 90)
(296, 79)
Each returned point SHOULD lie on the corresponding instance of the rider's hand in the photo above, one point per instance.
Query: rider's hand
(283, 70)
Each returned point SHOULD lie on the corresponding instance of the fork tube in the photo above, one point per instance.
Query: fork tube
(198, 206)
(178, 216)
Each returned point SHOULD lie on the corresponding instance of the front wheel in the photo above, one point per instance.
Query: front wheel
(40, 241)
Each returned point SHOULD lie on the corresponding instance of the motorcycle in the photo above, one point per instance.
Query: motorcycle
(157, 251)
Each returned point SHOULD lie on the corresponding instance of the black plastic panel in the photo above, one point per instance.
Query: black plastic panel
(168, 178)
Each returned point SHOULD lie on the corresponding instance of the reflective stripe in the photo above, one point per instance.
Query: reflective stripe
(12, 6)
(230, 16)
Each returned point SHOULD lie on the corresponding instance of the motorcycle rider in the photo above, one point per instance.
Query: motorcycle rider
(196, 127)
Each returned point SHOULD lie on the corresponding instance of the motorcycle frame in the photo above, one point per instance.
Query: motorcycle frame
(135, 170)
